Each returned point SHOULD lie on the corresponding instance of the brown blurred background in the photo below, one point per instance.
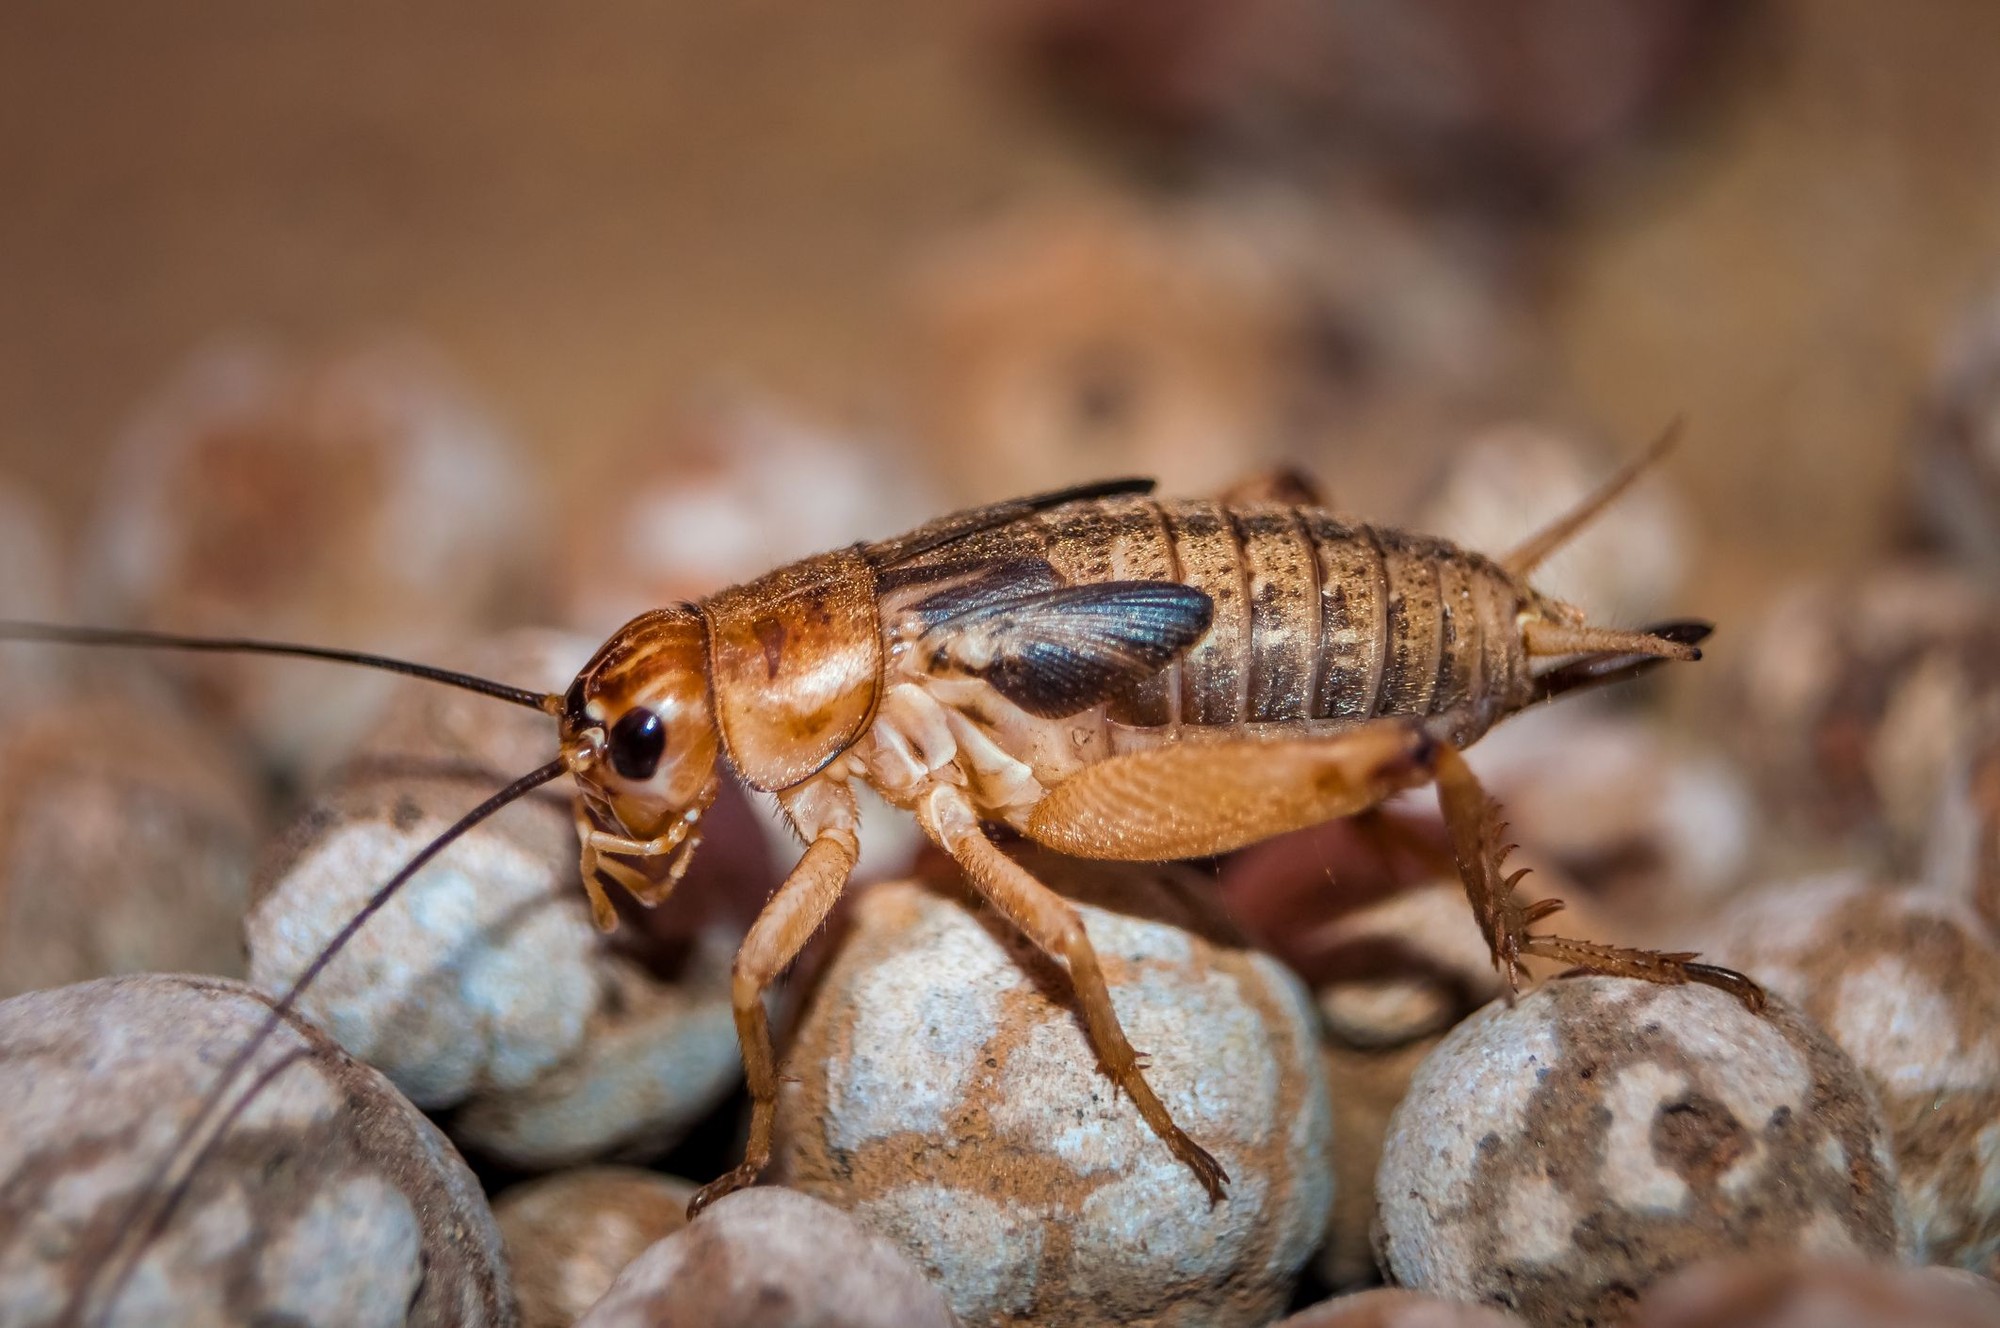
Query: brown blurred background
(599, 217)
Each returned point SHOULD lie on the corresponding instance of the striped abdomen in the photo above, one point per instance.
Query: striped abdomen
(1315, 619)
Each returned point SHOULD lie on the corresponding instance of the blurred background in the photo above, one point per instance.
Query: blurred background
(388, 328)
(1105, 235)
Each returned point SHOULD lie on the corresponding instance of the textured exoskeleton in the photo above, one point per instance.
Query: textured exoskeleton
(1106, 673)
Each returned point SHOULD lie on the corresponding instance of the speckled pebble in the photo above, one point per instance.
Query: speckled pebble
(359, 500)
(1657, 826)
(327, 1199)
(127, 834)
(480, 973)
(1394, 1307)
(1908, 983)
(1508, 482)
(483, 984)
(654, 1059)
(1963, 856)
(1558, 1157)
(771, 1258)
(569, 1235)
(1757, 1293)
(1854, 701)
(943, 1090)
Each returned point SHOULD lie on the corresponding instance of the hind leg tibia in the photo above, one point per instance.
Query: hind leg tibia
(1472, 819)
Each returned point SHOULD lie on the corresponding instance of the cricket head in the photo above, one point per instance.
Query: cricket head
(638, 726)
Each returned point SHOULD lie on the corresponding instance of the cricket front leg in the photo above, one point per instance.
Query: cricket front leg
(1053, 926)
(1472, 819)
(791, 916)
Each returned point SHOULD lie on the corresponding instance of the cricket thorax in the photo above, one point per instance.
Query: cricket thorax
(795, 664)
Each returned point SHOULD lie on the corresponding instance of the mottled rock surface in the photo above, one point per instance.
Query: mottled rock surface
(654, 1058)
(942, 1090)
(1509, 482)
(326, 1199)
(479, 974)
(1558, 1157)
(569, 1235)
(1756, 1293)
(1394, 1307)
(1855, 701)
(771, 1258)
(1908, 983)
(483, 984)
(127, 834)
(360, 500)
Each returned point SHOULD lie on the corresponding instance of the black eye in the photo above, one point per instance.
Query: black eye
(638, 740)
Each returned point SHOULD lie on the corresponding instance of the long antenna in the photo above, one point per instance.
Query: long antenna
(526, 784)
(545, 702)
(1524, 559)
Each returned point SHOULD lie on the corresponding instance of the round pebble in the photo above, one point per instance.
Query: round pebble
(1095, 338)
(483, 983)
(734, 488)
(1908, 983)
(942, 1089)
(1758, 1293)
(1854, 702)
(1963, 857)
(359, 500)
(480, 973)
(1393, 1307)
(771, 1258)
(568, 1236)
(1556, 1158)
(1509, 482)
(655, 1058)
(1956, 457)
(326, 1198)
(1655, 828)
(127, 835)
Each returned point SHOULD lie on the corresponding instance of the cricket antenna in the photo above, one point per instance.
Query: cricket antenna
(1531, 553)
(546, 702)
(280, 1010)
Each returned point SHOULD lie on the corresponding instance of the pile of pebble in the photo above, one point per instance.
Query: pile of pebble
(485, 1112)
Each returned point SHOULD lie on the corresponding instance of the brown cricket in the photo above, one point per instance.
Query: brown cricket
(1106, 673)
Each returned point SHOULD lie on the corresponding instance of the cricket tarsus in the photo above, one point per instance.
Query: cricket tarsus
(55, 634)
(280, 1010)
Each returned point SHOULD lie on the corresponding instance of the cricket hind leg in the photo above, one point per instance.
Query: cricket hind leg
(789, 919)
(1472, 820)
(1053, 926)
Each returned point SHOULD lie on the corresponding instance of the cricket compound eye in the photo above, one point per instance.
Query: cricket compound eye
(638, 741)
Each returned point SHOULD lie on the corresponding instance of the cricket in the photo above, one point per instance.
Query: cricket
(1103, 672)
